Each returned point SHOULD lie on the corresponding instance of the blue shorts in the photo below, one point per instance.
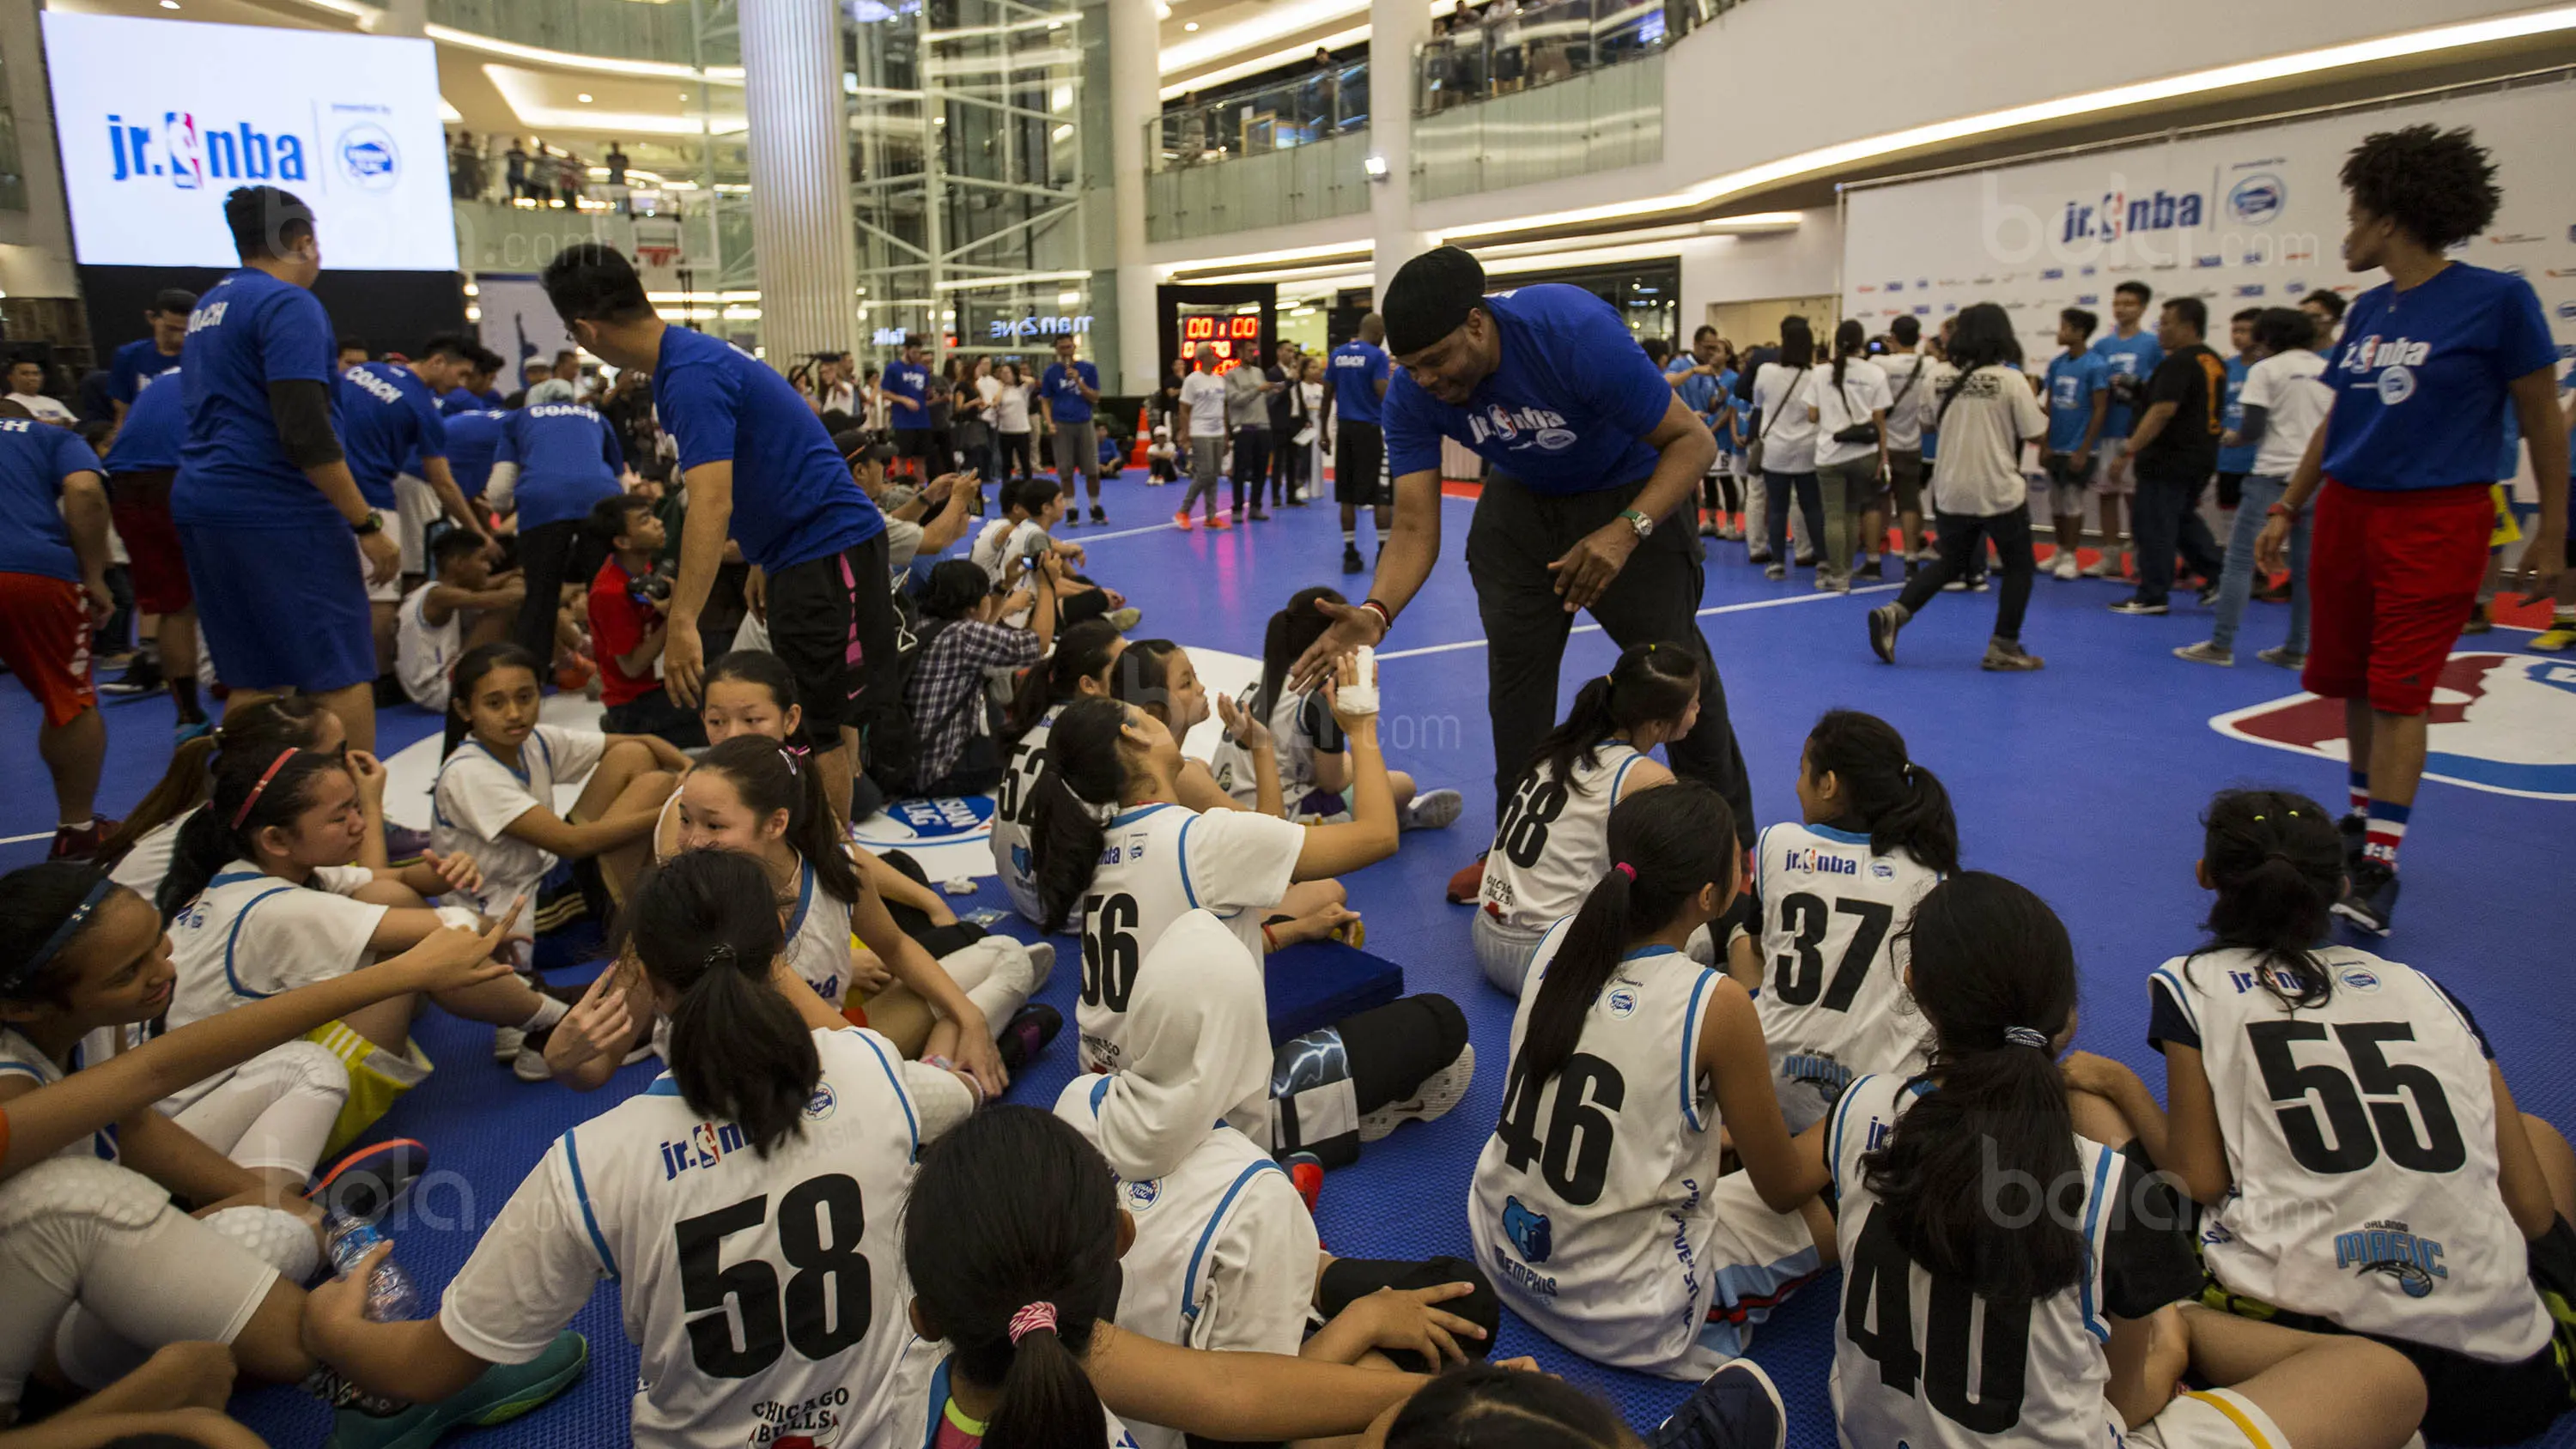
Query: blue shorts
(282, 608)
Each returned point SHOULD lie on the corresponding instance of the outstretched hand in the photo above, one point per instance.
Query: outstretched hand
(1353, 627)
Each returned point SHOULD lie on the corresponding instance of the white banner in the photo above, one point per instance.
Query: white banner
(518, 322)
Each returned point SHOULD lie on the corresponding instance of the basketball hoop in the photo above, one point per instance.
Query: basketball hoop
(657, 256)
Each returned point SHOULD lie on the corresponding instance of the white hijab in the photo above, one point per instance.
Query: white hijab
(1198, 1052)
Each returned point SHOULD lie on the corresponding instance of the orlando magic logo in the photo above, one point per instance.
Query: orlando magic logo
(1529, 1232)
(2389, 1247)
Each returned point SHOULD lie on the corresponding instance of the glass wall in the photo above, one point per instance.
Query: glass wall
(13, 180)
(1646, 295)
(629, 29)
(1506, 47)
(1326, 102)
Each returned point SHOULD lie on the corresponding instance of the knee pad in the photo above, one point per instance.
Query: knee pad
(275, 1237)
(303, 1065)
(80, 1188)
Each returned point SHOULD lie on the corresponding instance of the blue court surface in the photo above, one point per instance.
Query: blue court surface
(2083, 781)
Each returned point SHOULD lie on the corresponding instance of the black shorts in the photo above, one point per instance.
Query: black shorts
(832, 623)
(2231, 489)
(912, 442)
(1359, 466)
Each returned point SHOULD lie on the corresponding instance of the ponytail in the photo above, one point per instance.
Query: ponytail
(1650, 684)
(467, 675)
(1010, 1238)
(1293, 630)
(1486, 1406)
(770, 777)
(1143, 678)
(1666, 846)
(252, 792)
(1086, 776)
(705, 925)
(2276, 861)
(1850, 341)
(1905, 806)
(1082, 651)
(262, 727)
(1970, 1177)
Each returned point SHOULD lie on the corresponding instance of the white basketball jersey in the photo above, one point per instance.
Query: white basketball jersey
(1590, 1205)
(248, 936)
(23, 1061)
(767, 1294)
(1903, 1370)
(1014, 803)
(2361, 1148)
(423, 651)
(1833, 1000)
(1554, 843)
(818, 938)
(1225, 1253)
(1161, 862)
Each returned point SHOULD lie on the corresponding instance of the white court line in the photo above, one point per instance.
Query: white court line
(23, 839)
(1702, 614)
(1074, 535)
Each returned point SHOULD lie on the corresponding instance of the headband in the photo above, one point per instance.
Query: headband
(261, 788)
(12, 977)
(1031, 1319)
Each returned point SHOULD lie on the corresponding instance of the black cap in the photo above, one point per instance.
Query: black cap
(856, 449)
(1430, 298)
(175, 299)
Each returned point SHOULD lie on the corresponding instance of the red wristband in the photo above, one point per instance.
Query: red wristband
(1385, 615)
(2280, 510)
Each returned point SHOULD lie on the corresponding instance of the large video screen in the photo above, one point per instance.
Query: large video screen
(159, 119)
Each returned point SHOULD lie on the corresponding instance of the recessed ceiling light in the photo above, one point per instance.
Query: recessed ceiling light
(169, 4)
(1189, 25)
(584, 98)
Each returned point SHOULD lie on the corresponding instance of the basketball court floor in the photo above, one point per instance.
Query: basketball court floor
(2083, 781)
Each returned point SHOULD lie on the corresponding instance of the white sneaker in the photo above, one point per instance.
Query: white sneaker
(1433, 810)
(2106, 567)
(1431, 1101)
(2065, 566)
(506, 1041)
(1041, 963)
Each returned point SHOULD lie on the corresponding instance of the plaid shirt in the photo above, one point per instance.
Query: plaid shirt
(947, 681)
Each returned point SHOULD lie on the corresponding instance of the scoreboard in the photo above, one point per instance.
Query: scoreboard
(1236, 336)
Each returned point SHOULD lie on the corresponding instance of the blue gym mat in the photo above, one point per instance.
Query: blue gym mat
(2083, 781)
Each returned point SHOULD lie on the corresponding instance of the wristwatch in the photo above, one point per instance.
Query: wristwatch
(1645, 526)
(370, 524)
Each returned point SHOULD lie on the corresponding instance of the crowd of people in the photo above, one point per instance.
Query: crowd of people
(527, 169)
(1742, 1052)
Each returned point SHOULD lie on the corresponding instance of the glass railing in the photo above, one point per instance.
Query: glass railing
(1314, 107)
(626, 29)
(1504, 47)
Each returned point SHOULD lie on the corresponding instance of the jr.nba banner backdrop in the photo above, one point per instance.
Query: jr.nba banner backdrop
(2248, 218)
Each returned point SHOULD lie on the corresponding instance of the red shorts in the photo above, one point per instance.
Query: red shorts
(2391, 578)
(140, 504)
(44, 639)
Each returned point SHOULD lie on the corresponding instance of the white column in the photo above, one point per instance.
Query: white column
(1135, 89)
(1396, 27)
(801, 226)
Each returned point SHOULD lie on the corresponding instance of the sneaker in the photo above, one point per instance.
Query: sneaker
(1730, 534)
(1757, 556)
(1217, 521)
(1098, 514)
(2558, 638)
(2105, 567)
(1884, 622)
(1774, 571)
(1260, 517)
(366, 1184)
(1296, 502)
(530, 1064)
(141, 677)
(1806, 560)
(1124, 619)
(2480, 621)
(1824, 583)
(1181, 521)
(1976, 583)
(2206, 652)
(2282, 657)
(1737, 1407)
(1433, 810)
(2065, 567)
(2369, 901)
(504, 1392)
(1026, 1034)
(1430, 1102)
(2006, 656)
(2207, 594)
(1467, 883)
(1707, 529)
(2140, 607)
(1351, 561)
(1955, 586)
(506, 1041)
(1306, 1170)
(2354, 827)
(1041, 963)
(70, 844)
(190, 729)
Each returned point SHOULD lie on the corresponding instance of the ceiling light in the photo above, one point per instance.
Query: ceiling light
(1190, 25)
(1162, 11)
(584, 98)
(169, 4)
(1068, 299)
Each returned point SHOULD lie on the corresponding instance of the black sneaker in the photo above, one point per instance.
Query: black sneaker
(1884, 621)
(2208, 595)
(2369, 901)
(1351, 561)
(1737, 1407)
(1876, 568)
(2480, 622)
(366, 1184)
(2355, 829)
(2140, 607)
(143, 676)
(1099, 514)
(1026, 1034)
(1977, 584)
(1806, 560)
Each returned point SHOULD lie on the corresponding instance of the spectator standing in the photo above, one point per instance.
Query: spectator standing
(138, 362)
(1248, 391)
(1071, 388)
(1907, 401)
(541, 176)
(1784, 435)
(514, 168)
(939, 400)
(572, 176)
(2173, 448)
(906, 387)
(615, 161)
(1203, 406)
(1301, 444)
(2078, 385)
(1355, 383)
(262, 478)
(2284, 402)
(139, 466)
(970, 427)
(2129, 356)
(841, 393)
(1852, 400)
(53, 594)
(2235, 460)
(1015, 450)
(1983, 409)
(1283, 373)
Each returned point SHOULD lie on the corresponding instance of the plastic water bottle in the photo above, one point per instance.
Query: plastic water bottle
(391, 1298)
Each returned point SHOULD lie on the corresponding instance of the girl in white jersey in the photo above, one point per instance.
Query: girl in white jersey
(2359, 1162)
(1974, 1216)
(1831, 897)
(775, 1155)
(138, 854)
(1078, 669)
(1552, 846)
(1316, 772)
(1011, 1243)
(1112, 841)
(1597, 1205)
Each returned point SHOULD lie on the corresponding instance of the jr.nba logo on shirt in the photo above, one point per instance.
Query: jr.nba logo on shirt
(2504, 723)
(707, 1144)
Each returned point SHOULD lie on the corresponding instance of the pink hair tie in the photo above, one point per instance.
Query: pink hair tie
(1624, 868)
(1032, 1318)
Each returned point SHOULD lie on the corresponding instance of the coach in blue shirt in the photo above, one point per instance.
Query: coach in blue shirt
(264, 499)
(759, 469)
(1070, 389)
(145, 358)
(1592, 459)
(556, 462)
(53, 596)
(1355, 382)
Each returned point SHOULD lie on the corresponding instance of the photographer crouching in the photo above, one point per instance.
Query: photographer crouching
(629, 604)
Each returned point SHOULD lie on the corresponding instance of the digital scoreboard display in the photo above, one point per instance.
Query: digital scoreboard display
(1236, 336)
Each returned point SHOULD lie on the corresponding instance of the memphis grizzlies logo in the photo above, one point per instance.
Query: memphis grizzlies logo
(2503, 723)
(2390, 1248)
(1529, 1233)
(368, 158)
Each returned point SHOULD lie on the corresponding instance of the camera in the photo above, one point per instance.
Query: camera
(654, 589)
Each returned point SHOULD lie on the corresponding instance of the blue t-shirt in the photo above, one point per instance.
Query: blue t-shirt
(1065, 402)
(472, 439)
(906, 379)
(2130, 357)
(1356, 369)
(134, 366)
(154, 428)
(250, 330)
(35, 458)
(2420, 378)
(1566, 411)
(568, 460)
(2072, 382)
(2238, 459)
(388, 420)
(458, 400)
(793, 497)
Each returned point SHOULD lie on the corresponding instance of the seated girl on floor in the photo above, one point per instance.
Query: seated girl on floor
(1315, 768)
(1597, 1205)
(1552, 845)
(966, 633)
(1078, 669)
(140, 850)
(2310, 1078)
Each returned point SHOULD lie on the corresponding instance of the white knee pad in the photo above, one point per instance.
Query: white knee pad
(76, 1191)
(275, 1237)
(306, 1065)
